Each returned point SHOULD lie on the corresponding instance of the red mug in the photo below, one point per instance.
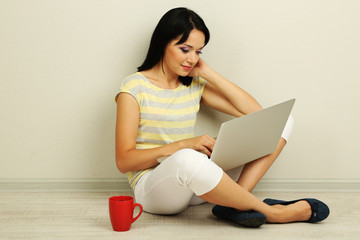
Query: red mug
(121, 209)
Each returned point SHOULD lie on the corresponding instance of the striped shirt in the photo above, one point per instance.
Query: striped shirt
(166, 115)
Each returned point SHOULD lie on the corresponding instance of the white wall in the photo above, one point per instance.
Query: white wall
(61, 63)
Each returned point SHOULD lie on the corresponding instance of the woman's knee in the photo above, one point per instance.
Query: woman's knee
(194, 170)
(186, 159)
(288, 128)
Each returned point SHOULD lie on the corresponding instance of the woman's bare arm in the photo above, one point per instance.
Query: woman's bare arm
(223, 95)
(128, 158)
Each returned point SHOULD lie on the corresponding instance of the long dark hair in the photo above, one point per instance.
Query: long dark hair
(176, 22)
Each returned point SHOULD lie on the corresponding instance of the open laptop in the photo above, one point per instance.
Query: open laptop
(250, 137)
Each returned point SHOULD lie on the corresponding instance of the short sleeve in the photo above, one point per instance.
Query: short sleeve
(131, 86)
(202, 84)
(198, 84)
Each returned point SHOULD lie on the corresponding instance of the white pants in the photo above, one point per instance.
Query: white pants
(177, 182)
(169, 188)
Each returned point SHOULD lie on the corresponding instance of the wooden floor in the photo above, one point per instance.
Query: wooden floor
(85, 216)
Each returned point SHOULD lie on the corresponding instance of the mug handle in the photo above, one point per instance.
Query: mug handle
(141, 209)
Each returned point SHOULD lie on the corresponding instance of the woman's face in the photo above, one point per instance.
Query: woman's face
(180, 59)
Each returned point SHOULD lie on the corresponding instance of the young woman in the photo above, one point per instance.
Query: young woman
(156, 114)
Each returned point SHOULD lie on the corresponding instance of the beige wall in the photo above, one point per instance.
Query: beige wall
(61, 63)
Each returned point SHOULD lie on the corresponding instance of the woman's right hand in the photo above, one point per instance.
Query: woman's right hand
(202, 143)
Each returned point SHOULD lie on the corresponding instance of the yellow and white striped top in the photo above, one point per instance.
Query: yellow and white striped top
(166, 115)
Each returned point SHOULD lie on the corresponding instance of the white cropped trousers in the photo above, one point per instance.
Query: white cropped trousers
(177, 181)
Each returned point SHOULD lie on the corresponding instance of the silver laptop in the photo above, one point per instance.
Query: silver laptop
(250, 137)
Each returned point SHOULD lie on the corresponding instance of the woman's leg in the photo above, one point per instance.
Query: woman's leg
(164, 197)
(228, 193)
(169, 188)
(255, 170)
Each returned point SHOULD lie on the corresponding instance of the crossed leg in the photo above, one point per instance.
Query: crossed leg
(237, 195)
(255, 170)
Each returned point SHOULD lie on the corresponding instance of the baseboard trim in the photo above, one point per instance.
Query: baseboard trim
(308, 185)
(121, 185)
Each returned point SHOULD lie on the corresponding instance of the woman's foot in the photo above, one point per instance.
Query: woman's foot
(251, 219)
(302, 210)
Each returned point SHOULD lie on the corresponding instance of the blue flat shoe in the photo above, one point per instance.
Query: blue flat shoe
(319, 210)
(248, 218)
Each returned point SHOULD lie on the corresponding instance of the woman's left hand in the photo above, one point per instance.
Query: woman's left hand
(201, 69)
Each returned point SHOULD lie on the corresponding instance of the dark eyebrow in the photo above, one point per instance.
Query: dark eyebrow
(188, 45)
